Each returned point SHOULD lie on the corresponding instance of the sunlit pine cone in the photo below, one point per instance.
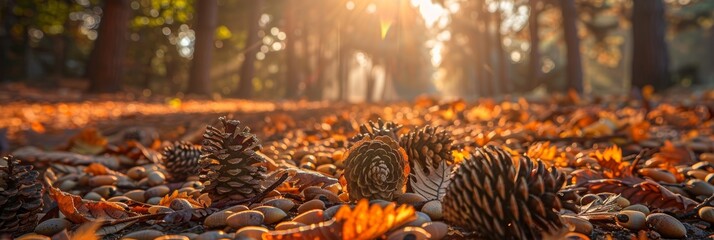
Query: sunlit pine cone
(489, 194)
(181, 160)
(232, 168)
(380, 128)
(376, 169)
(20, 197)
(428, 146)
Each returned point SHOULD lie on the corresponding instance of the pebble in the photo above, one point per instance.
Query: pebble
(421, 219)
(33, 236)
(282, 203)
(288, 225)
(93, 196)
(633, 220)
(310, 205)
(313, 192)
(708, 157)
(699, 187)
(412, 233)
(144, 235)
(271, 214)
(410, 198)
(136, 195)
(638, 207)
(52, 226)
(102, 180)
(158, 191)
(659, 175)
(172, 237)
(433, 209)
(250, 232)
(154, 200)
(214, 235)
(438, 230)
(155, 178)
(328, 169)
(310, 217)
(217, 219)
(67, 185)
(245, 218)
(105, 191)
(707, 214)
(136, 173)
(330, 212)
(159, 209)
(666, 225)
(581, 225)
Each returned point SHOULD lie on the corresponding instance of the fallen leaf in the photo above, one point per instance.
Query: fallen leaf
(431, 186)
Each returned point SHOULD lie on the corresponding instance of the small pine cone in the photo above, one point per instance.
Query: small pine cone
(230, 163)
(380, 128)
(492, 195)
(376, 169)
(428, 146)
(20, 197)
(182, 160)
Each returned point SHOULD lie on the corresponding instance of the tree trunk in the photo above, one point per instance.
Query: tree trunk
(247, 69)
(107, 58)
(6, 39)
(650, 59)
(574, 70)
(503, 85)
(534, 64)
(292, 75)
(200, 79)
(319, 86)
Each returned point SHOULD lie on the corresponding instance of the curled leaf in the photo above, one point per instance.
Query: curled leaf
(646, 192)
(80, 210)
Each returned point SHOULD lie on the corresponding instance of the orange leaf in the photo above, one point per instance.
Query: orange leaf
(97, 169)
(80, 210)
(166, 200)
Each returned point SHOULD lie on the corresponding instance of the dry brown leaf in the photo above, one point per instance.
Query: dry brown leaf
(87, 231)
(547, 153)
(80, 210)
(646, 192)
(301, 179)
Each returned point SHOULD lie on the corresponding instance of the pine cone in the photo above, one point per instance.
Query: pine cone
(499, 200)
(376, 169)
(380, 128)
(230, 162)
(181, 160)
(20, 197)
(428, 147)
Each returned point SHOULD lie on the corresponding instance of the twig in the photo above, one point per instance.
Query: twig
(251, 200)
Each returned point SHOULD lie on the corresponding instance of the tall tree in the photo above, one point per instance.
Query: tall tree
(574, 70)
(650, 60)
(534, 63)
(247, 69)
(106, 62)
(292, 75)
(200, 79)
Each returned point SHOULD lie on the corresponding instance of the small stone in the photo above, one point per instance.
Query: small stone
(288, 225)
(433, 209)
(310, 205)
(410, 198)
(310, 217)
(136, 173)
(638, 207)
(250, 232)
(666, 225)
(158, 191)
(271, 214)
(438, 230)
(633, 220)
(144, 235)
(156, 178)
(707, 214)
(102, 180)
(93, 196)
(136, 195)
(412, 233)
(52, 226)
(581, 225)
(245, 218)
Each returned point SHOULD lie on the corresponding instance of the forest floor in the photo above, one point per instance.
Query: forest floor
(601, 167)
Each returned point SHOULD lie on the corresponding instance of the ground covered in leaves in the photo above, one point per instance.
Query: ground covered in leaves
(568, 166)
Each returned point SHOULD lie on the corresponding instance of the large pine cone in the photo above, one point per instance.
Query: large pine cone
(231, 164)
(376, 169)
(428, 146)
(380, 128)
(499, 200)
(182, 160)
(20, 197)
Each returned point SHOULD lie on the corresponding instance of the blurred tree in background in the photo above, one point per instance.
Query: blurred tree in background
(356, 50)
